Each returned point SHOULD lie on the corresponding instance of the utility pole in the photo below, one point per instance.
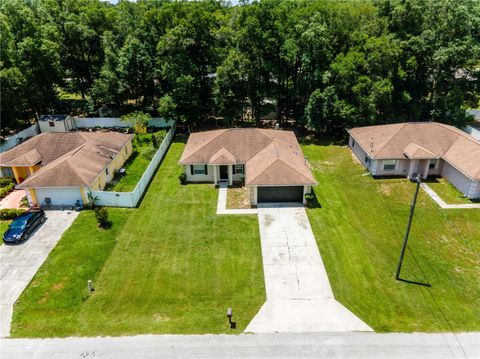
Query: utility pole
(409, 225)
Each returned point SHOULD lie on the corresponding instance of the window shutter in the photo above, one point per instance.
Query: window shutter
(206, 169)
(233, 169)
(191, 170)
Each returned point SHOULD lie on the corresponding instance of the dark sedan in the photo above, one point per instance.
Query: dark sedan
(23, 226)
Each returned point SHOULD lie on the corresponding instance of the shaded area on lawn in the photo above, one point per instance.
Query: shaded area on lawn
(359, 230)
(174, 266)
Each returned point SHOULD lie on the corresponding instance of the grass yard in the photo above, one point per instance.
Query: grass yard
(170, 266)
(447, 191)
(135, 166)
(359, 229)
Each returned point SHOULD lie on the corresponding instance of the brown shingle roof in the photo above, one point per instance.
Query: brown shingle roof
(69, 159)
(414, 151)
(271, 157)
(430, 138)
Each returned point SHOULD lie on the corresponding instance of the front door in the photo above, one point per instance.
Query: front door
(223, 173)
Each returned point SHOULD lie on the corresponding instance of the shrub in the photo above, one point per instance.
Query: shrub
(7, 213)
(158, 137)
(101, 214)
(309, 199)
(6, 190)
(149, 153)
(5, 181)
(24, 202)
(182, 178)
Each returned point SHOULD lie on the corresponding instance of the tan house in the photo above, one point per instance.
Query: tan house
(63, 166)
(420, 148)
(269, 162)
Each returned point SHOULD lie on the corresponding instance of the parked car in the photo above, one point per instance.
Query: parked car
(24, 225)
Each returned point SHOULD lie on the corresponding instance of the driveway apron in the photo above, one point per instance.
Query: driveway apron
(299, 295)
(19, 263)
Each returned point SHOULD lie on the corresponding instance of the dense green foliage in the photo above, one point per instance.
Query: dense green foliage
(327, 64)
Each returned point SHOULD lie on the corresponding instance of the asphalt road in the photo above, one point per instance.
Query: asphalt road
(324, 345)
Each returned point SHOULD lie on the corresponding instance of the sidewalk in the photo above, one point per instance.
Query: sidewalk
(222, 203)
(433, 195)
(13, 199)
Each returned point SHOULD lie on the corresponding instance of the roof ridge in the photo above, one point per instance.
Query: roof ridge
(221, 132)
(52, 165)
(391, 139)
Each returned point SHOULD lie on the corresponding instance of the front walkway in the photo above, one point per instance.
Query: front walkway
(299, 296)
(222, 202)
(12, 200)
(433, 195)
(19, 263)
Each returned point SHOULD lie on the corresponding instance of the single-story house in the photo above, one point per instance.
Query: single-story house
(269, 162)
(64, 166)
(420, 148)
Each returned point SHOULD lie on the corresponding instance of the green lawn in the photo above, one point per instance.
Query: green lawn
(3, 227)
(171, 266)
(447, 191)
(359, 229)
(135, 166)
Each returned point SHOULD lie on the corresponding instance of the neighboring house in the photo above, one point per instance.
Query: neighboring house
(420, 148)
(56, 123)
(65, 166)
(269, 162)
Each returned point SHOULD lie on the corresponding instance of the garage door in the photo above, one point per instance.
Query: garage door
(280, 194)
(59, 196)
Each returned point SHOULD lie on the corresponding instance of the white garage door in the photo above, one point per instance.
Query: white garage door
(59, 196)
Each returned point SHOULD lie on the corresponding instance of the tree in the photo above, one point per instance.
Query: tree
(139, 120)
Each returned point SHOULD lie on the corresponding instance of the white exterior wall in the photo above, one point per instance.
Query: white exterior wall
(253, 195)
(458, 179)
(359, 152)
(60, 196)
(401, 168)
(199, 177)
(58, 126)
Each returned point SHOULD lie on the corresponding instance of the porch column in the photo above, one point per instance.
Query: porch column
(411, 168)
(230, 174)
(425, 172)
(214, 167)
(16, 175)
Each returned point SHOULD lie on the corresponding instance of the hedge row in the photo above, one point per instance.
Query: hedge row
(7, 213)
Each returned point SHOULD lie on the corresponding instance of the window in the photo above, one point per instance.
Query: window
(433, 164)
(237, 169)
(367, 160)
(353, 144)
(7, 171)
(199, 169)
(106, 171)
(51, 123)
(389, 165)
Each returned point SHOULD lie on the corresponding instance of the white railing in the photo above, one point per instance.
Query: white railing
(131, 199)
(23, 135)
(105, 122)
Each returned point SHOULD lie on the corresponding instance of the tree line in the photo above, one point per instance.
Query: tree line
(325, 64)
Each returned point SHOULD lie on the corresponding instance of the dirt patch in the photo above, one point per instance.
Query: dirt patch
(238, 198)
(385, 189)
(160, 317)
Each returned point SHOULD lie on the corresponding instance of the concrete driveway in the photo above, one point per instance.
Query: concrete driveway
(299, 295)
(19, 263)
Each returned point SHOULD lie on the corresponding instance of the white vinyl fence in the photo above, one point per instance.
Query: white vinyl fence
(131, 199)
(91, 122)
(475, 113)
(21, 136)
